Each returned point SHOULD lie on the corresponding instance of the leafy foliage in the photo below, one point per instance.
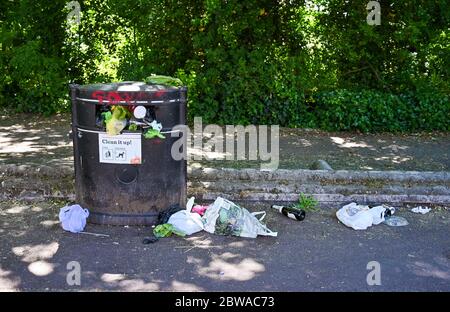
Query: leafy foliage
(307, 203)
(295, 63)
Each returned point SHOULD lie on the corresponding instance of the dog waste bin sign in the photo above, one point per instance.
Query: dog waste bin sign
(120, 149)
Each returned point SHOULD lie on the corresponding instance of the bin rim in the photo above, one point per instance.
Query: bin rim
(129, 93)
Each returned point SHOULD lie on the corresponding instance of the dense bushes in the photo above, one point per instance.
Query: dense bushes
(295, 63)
(376, 111)
(33, 72)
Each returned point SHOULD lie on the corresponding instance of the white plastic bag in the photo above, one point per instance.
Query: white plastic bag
(377, 214)
(355, 216)
(224, 217)
(73, 218)
(186, 221)
(360, 217)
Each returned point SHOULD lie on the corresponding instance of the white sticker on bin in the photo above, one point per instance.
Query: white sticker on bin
(120, 149)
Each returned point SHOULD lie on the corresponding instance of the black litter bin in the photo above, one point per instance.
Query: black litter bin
(127, 179)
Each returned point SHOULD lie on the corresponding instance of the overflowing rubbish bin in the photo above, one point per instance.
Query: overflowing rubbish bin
(122, 138)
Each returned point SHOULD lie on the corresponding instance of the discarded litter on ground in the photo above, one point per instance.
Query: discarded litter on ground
(164, 216)
(200, 209)
(186, 221)
(165, 230)
(73, 218)
(396, 221)
(290, 212)
(150, 240)
(360, 217)
(224, 217)
(421, 210)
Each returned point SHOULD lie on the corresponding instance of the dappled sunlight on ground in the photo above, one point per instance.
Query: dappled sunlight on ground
(29, 139)
(7, 281)
(41, 268)
(346, 143)
(395, 147)
(302, 142)
(122, 282)
(394, 159)
(228, 266)
(181, 286)
(17, 209)
(31, 253)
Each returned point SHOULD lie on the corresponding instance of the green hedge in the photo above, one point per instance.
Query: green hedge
(371, 111)
(338, 110)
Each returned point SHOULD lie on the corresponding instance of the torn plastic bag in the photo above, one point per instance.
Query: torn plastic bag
(224, 217)
(355, 216)
(360, 217)
(186, 221)
(73, 218)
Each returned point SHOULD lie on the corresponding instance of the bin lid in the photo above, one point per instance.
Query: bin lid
(130, 93)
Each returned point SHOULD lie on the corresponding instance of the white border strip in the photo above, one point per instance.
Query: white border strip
(128, 102)
(103, 132)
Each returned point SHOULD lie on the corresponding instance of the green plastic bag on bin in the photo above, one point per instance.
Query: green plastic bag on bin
(165, 230)
(164, 80)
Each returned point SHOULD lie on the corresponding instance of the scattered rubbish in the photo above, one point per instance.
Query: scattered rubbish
(396, 221)
(73, 218)
(150, 240)
(155, 131)
(156, 125)
(165, 230)
(106, 117)
(118, 121)
(94, 234)
(152, 133)
(139, 112)
(360, 217)
(224, 217)
(117, 118)
(199, 209)
(379, 213)
(164, 216)
(187, 221)
(133, 127)
(421, 210)
(164, 80)
(293, 213)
